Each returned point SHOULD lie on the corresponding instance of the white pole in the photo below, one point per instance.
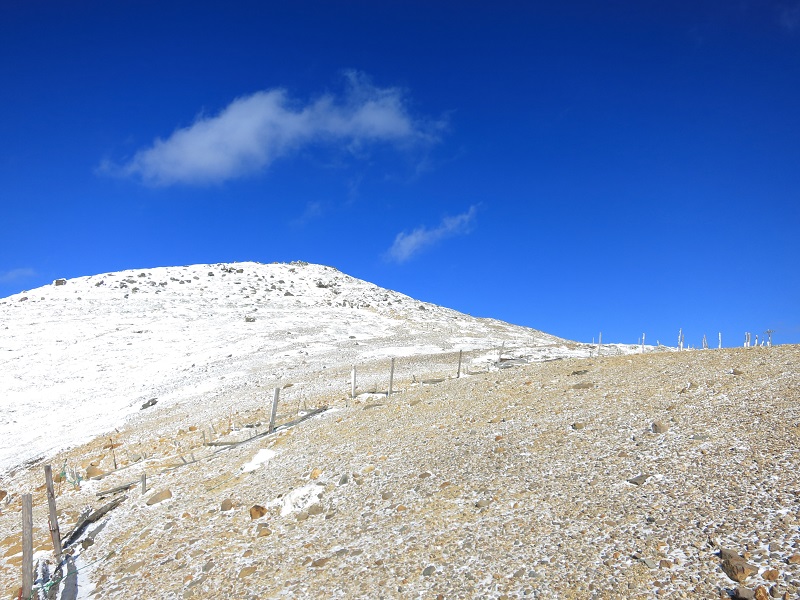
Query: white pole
(353, 382)
(391, 378)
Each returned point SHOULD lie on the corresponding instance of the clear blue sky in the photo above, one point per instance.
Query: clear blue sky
(577, 167)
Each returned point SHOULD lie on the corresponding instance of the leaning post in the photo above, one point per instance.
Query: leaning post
(55, 534)
(274, 409)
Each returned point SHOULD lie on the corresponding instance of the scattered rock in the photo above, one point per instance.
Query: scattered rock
(743, 593)
(3, 494)
(263, 530)
(93, 471)
(639, 479)
(580, 372)
(794, 559)
(428, 571)
(257, 511)
(770, 575)
(320, 562)
(582, 386)
(660, 427)
(650, 564)
(159, 497)
(344, 479)
(738, 569)
(735, 372)
(578, 426)
(249, 319)
(149, 403)
(728, 554)
(762, 593)
(315, 473)
(60, 282)
(315, 509)
(482, 503)
(246, 571)
(226, 505)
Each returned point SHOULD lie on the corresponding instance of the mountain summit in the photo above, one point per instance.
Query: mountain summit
(80, 355)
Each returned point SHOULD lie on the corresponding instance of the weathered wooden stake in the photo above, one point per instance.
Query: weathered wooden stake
(720, 340)
(353, 382)
(274, 410)
(599, 343)
(27, 546)
(55, 534)
(391, 378)
(642, 343)
(460, 353)
(144, 483)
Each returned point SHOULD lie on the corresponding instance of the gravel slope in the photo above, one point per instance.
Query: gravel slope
(512, 483)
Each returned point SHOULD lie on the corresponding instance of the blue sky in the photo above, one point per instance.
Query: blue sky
(625, 168)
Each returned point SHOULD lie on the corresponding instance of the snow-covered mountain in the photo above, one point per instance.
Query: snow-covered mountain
(79, 356)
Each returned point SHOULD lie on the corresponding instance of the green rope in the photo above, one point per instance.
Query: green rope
(46, 587)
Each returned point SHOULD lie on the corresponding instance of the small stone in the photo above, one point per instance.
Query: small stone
(665, 563)
(302, 515)
(770, 575)
(728, 554)
(249, 319)
(315, 509)
(794, 559)
(762, 593)
(263, 530)
(320, 562)
(650, 564)
(482, 503)
(428, 571)
(60, 282)
(208, 566)
(738, 570)
(256, 512)
(577, 426)
(246, 572)
(315, 473)
(159, 497)
(743, 593)
(226, 505)
(639, 479)
(387, 495)
(660, 427)
(344, 479)
(93, 471)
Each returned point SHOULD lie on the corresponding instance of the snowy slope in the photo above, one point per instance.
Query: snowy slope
(78, 357)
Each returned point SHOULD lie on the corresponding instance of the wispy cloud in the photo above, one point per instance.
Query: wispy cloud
(16, 274)
(406, 245)
(253, 131)
(313, 210)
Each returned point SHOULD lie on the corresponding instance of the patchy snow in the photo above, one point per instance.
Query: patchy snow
(262, 456)
(78, 359)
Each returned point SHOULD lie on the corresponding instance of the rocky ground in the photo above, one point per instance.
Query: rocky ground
(658, 474)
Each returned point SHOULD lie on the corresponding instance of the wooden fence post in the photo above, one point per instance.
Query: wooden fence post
(27, 546)
(353, 382)
(55, 534)
(391, 378)
(274, 410)
(144, 483)
(458, 375)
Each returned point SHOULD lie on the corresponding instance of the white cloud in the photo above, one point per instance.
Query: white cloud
(407, 245)
(15, 274)
(253, 131)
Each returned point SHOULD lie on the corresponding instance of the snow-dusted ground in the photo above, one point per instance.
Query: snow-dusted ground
(76, 359)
